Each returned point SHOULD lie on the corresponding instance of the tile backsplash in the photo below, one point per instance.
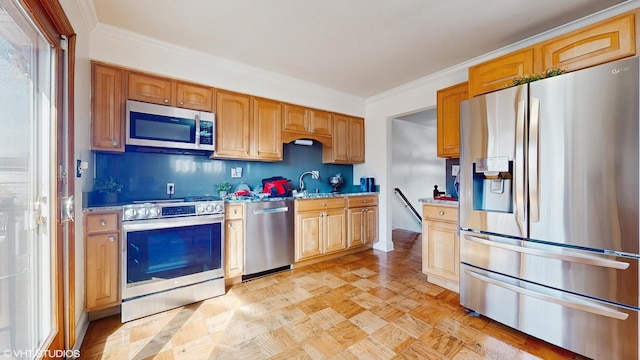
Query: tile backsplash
(450, 178)
(145, 175)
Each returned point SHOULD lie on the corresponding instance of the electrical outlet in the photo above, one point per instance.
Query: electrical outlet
(171, 188)
(455, 169)
(236, 172)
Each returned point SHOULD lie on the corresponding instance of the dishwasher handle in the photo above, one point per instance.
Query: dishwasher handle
(271, 211)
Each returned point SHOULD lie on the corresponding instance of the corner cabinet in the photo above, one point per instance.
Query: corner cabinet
(448, 119)
(348, 141)
(107, 108)
(320, 227)
(362, 213)
(441, 245)
(102, 261)
(234, 241)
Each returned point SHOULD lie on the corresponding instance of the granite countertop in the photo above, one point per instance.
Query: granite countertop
(230, 200)
(439, 202)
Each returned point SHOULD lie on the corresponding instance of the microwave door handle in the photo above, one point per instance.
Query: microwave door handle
(197, 130)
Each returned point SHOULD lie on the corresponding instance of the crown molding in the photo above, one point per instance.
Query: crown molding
(88, 13)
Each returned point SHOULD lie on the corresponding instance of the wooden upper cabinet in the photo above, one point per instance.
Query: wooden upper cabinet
(232, 125)
(107, 108)
(599, 43)
(151, 89)
(194, 97)
(320, 122)
(267, 129)
(348, 141)
(164, 91)
(497, 73)
(448, 119)
(295, 119)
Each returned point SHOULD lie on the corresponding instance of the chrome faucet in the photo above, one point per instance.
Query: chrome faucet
(315, 174)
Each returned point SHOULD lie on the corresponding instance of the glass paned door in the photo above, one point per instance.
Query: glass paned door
(27, 131)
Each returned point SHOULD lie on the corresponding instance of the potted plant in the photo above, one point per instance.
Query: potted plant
(223, 188)
(109, 188)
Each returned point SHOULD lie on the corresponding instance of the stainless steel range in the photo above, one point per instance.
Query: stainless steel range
(172, 254)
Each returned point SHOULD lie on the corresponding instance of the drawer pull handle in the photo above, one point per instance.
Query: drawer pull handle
(103, 223)
(441, 212)
(324, 204)
(364, 201)
(112, 239)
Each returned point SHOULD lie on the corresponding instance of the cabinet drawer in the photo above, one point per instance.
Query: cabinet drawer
(320, 204)
(440, 213)
(233, 211)
(102, 222)
(357, 201)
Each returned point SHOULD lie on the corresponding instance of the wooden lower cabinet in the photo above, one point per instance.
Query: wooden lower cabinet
(362, 213)
(320, 227)
(441, 245)
(234, 241)
(102, 260)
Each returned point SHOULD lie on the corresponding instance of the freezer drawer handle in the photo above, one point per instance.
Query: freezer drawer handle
(594, 309)
(271, 211)
(589, 260)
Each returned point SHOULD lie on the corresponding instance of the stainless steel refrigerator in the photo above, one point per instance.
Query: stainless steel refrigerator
(549, 209)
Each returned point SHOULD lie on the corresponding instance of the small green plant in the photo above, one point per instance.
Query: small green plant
(109, 185)
(223, 186)
(524, 79)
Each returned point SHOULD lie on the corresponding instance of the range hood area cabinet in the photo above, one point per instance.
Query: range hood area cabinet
(247, 127)
(348, 141)
(304, 123)
(599, 43)
(164, 91)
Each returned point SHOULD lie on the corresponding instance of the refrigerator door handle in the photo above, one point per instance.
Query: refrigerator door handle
(583, 259)
(519, 166)
(594, 309)
(534, 125)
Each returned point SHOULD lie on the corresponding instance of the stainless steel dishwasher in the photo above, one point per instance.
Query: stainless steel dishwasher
(269, 237)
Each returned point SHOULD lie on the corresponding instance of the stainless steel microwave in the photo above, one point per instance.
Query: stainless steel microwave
(159, 126)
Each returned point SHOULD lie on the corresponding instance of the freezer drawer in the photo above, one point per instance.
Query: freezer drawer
(589, 273)
(589, 327)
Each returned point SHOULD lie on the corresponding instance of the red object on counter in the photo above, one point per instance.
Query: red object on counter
(242, 193)
(449, 198)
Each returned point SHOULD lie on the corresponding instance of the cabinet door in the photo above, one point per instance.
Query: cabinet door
(334, 230)
(495, 74)
(308, 236)
(448, 119)
(150, 89)
(320, 122)
(340, 147)
(232, 125)
(371, 225)
(107, 108)
(295, 119)
(599, 43)
(234, 248)
(356, 140)
(267, 132)
(356, 226)
(194, 97)
(440, 250)
(101, 271)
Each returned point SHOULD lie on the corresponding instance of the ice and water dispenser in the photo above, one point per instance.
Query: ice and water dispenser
(492, 184)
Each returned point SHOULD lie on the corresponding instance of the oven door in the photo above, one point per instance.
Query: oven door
(163, 254)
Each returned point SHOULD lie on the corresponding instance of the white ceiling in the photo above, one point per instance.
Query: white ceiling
(361, 47)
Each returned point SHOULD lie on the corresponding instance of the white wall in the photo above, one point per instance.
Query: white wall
(415, 168)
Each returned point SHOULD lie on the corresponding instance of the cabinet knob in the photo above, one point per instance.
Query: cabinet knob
(364, 201)
(229, 225)
(114, 143)
(234, 212)
(314, 131)
(246, 152)
(166, 101)
(441, 212)
(324, 204)
(103, 223)
(112, 239)
(181, 103)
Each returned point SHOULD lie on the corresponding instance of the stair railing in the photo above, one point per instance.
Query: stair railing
(408, 205)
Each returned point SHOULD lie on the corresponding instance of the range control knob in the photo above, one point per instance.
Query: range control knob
(209, 208)
(219, 208)
(143, 212)
(129, 214)
(154, 212)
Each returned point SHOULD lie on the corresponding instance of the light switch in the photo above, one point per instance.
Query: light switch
(455, 169)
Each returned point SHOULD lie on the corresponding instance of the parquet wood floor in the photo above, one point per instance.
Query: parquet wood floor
(369, 305)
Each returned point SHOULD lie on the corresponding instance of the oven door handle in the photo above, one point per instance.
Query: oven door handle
(165, 223)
